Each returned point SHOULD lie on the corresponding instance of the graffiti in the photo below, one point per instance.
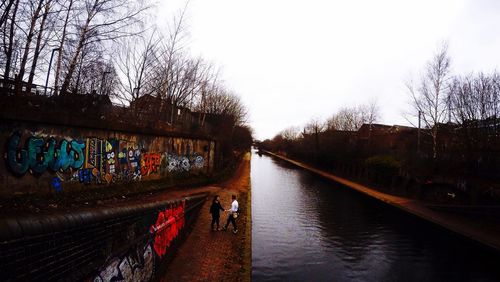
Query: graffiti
(56, 184)
(70, 154)
(167, 227)
(111, 157)
(136, 265)
(150, 163)
(40, 155)
(177, 163)
(96, 161)
(85, 176)
(198, 162)
(94, 157)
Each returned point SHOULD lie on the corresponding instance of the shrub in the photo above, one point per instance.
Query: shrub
(383, 166)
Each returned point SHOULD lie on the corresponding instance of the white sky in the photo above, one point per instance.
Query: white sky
(291, 61)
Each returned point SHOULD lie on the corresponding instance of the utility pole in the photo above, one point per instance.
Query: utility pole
(48, 72)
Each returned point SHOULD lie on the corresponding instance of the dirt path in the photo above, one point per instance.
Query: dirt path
(217, 255)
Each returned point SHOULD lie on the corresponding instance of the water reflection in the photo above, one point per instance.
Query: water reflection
(308, 229)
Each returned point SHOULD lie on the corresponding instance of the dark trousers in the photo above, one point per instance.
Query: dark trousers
(231, 219)
(215, 220)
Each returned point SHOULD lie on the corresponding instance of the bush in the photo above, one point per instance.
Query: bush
(383, 166)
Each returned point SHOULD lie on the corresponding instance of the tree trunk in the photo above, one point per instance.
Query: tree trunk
(29, 38)
(61, 48)
(38, 45)
(3, 18)
(11, 41)
(81, 41)
(434, 142)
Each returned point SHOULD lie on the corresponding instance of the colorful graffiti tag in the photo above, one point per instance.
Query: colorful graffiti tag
(39, 155)
(150, 163)
(136, 265)
(167, 227)
(93, 160)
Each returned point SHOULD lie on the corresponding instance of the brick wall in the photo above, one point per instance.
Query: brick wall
(130, 243)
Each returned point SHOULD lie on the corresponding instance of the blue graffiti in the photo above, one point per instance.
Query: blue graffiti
(39, 155)
(70, 154)
(85, 176)
(17, 160)
(56, 183)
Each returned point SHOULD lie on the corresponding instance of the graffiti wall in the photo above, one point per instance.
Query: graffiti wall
(45, 159)
(142, 259)
(133, 242)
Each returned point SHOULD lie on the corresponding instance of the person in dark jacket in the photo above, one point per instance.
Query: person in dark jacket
(215, 211)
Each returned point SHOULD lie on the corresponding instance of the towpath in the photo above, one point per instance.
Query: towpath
(208, 255)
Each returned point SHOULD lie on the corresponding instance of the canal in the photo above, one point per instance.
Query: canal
(305, 228)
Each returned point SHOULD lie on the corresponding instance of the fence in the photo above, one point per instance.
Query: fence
(8, 86)
(131, 243)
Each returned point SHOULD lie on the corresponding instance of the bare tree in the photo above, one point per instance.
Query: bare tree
(5, 10)
(224, 103)
(36, 9)
(291, 133)
(9, 39)
(104, 20)
(475, 107)
(430, 98)
(351, 118)
(68, 8)
(136, 62)
(39, 41)
(314, 128)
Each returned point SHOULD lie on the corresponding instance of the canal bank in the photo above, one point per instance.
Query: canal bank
(208, 255)
(468, 227)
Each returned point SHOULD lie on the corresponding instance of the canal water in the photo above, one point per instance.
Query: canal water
(305, 228)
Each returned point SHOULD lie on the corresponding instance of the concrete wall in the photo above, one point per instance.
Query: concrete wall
(47, 158)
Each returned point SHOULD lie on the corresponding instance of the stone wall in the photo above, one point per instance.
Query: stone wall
(46, 158)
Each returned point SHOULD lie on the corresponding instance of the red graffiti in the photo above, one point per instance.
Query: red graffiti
(150, 163)
(167, 227)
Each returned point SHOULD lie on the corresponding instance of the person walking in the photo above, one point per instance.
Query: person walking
(215, 209)
(233, 214)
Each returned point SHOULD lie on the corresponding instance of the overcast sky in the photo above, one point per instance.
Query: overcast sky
(291, 61)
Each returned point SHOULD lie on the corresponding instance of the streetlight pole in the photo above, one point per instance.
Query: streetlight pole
(48, 72)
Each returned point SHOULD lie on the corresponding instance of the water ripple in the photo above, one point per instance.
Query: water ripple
(307, 229)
